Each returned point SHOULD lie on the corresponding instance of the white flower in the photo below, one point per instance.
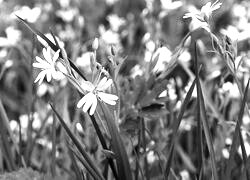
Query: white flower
(207, 9)
(89, 101)
(47, 66)
(200, 18)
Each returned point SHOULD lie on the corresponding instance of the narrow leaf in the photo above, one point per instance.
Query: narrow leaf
(123, 167)
(78, 144)
(175, 128)
(235, 142)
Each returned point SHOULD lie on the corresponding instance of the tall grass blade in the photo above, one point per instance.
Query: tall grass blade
(78, 145)
(205, 121)
(53, 160)
(86, 164)
(4, 130)
(244, 155)
(199, 126)
(104, 145)
(235, 142)
(123, 167)
(75, 166)
(175, 128)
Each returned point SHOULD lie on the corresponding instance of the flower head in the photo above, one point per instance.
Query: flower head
(200, 18)
(207, 9)
(47, 65)
(89, 101)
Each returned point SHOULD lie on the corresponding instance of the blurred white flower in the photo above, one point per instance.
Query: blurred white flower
(13, 36)
(47, 66)
(163, 58)
(109, 36)
(67, 14)
(231, 89)
(89, 101)
(170, 4)
(25, 12)
(115, 22)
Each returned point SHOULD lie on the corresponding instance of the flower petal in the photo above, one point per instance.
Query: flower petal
(82, 101)
(108, 98)
(89, 101)
(49, 75)
(40, 77)
(47, 55)
(93, 107)
(102, 82)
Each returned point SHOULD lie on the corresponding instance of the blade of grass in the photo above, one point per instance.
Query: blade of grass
(244, 155)
(74, 164)
(53, 160)
(123, 167)
(204, 119)
(104, 145)
(199, 126)
(78, 145)
(51, 44)
(144, 146)
(175, 128)
(235, 142)
(6, 147)
(85, 164)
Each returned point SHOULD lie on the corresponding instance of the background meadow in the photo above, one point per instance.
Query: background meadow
(182, 83)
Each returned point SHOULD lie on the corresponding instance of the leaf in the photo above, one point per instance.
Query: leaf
(153, 110)
(89, 162)
(123, 167)
(204, 120)
(175, 128)
(199, 127)
(236, 139)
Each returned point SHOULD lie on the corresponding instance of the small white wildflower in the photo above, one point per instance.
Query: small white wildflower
(89, 101)
(207, 9)
(200, 18)
(47, 66)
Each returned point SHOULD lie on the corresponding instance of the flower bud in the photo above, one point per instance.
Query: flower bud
(95, 44)
(113, 50)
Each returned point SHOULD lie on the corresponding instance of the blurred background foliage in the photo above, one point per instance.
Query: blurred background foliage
(137, 29)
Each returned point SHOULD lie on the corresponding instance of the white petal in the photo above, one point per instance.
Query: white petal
(47, 55)
(102, 82)
(81, 102)
(90, 99)
(39, 59)
(108, 98)
(40, 77)
(56, 55)
(41, 65)
(107, 84)
(48, 75)
(93, 107)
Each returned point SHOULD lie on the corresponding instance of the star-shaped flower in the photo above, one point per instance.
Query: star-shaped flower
(47, 65)
(89, 101)
(207, 9)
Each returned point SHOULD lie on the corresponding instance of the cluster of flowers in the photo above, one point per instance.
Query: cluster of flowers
(93, 91)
